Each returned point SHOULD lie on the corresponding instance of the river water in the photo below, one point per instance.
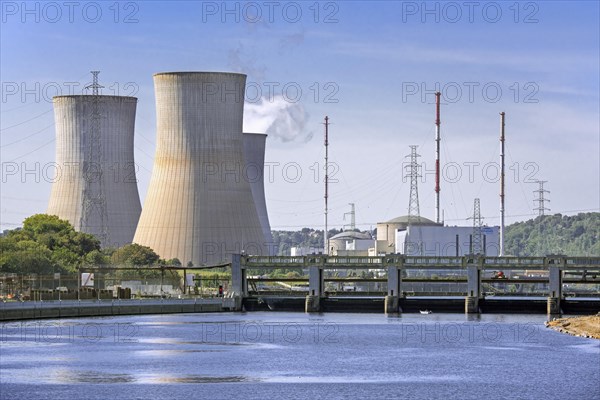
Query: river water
(295, 355)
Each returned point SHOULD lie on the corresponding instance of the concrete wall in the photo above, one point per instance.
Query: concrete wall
(199, 208)
(359, 244)
(62, 309)
(353, 252)
(336, 245)
(304, 251)
(344, 246)
(381, 247)
(116, 172)
(254, 154)
(386, 231)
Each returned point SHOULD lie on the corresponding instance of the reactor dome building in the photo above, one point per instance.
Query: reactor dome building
(96, 190)
(200, 206)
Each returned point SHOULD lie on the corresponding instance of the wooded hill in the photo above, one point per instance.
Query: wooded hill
(576, 235)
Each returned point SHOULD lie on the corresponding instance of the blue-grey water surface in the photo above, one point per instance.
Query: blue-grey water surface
(295, 355)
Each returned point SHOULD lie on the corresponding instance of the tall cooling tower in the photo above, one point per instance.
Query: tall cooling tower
(96, 186)
(199, 206)
(254, 153)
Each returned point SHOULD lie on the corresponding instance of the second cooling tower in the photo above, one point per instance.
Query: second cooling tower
(254, 153)
(199, 205)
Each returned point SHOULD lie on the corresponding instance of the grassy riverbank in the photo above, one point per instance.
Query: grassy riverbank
(586, 326)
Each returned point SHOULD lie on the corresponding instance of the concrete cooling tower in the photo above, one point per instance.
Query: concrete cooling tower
(199, 206)
(254, 153)
(96, 190)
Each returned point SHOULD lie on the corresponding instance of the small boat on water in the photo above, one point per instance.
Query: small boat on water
(425, 311)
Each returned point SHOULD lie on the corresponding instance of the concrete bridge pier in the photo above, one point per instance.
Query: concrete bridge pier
(312, 304)
(392, 300)
(471, 305)
(315, 290)
(555, 290)
(473, 287)
(239, 283)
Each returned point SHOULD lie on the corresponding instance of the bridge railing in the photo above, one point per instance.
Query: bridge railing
(402, 261)
(353, 260)
(433, 261)
(260, 261)
(512, 262)
(593, 262)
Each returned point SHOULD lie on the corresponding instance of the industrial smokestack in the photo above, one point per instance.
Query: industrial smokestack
(326, 232)
(254, 153)
(501, 184)
(97, 189)
(199, 206)
(437, 157)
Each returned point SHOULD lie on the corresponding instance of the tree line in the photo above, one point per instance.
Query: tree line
(46, 244)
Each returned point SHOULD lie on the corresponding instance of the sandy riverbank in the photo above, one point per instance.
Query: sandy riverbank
(586, 326)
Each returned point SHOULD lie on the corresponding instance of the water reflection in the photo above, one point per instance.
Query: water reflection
(172, 352)
(70, 376)
(362, 379)
(100, 377)
(195, 379)
(175, 341)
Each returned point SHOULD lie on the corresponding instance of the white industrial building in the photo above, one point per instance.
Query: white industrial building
(350, 243)
(305, 251)
(445, 240)
(386, 232)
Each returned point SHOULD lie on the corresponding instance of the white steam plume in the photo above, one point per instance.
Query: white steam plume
(278, 118)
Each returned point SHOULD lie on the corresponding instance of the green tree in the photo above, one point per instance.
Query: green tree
(174, 262)
(45, 244)
(96, 258)
(134, 255)
(138, 257)
(25, 256)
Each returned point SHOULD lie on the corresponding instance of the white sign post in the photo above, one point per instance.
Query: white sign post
(189, 280)
(87, 279)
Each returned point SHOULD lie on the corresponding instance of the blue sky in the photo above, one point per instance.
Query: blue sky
(366, 57)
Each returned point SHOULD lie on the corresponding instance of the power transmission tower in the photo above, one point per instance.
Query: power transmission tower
(541, 200)
(413, 203)
(437, 157)
(93, 215)
(477, 231)
(352, 214)
(414, 174)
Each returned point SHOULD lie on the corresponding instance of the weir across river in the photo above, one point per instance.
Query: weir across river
(396, 272)
(390, 284)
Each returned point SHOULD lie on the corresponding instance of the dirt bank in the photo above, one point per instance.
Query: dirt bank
(585, 326)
